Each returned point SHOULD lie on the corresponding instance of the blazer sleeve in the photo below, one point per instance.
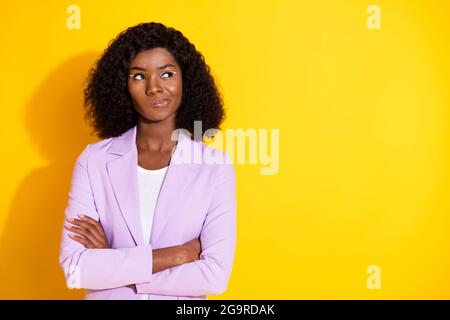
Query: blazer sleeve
(210, 274)
(97, 268)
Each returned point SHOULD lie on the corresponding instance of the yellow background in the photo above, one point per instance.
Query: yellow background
(364, 139)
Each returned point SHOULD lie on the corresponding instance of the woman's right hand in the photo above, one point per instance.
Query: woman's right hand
(193, 249)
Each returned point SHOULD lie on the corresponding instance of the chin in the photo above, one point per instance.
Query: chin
(157, 117)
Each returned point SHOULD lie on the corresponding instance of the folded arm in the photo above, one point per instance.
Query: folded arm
(91, 266)
(159, 271)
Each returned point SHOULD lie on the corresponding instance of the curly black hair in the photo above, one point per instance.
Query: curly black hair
(107, 102)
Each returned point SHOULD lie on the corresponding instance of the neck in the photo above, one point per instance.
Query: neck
(155, 136)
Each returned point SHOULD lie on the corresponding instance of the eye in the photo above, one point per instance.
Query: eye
(137, 76)
(167, 74)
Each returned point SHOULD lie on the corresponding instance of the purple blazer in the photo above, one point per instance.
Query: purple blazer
(197, 199)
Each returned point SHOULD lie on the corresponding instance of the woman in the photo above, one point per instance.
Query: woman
(145, 219)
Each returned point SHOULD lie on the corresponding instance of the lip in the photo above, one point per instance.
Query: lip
(162, 102)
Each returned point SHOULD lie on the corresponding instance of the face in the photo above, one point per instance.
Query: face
(155, 86)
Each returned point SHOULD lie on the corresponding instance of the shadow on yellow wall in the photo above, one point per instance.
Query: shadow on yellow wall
(29, 246)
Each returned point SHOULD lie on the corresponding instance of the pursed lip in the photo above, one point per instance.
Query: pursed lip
(159, 101)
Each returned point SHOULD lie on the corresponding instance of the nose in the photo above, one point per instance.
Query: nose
(153, 87)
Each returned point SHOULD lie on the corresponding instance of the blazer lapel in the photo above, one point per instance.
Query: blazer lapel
(180, 175)
(122, 172)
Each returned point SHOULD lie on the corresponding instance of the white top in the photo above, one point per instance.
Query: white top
(149, 182)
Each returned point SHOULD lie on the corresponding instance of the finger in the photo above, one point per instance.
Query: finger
(80, 240)
(87, 218)
(80, 231)
(93, 222)
(100, 237)
(100, 234)
(79, 223)
(89, 228)
(86, 235)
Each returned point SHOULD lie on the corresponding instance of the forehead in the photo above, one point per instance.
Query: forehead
(153, 58)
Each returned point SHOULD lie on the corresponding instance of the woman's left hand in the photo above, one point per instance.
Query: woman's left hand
(88, 231)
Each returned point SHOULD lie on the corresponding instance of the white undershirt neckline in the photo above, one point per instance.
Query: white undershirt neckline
(153, 171)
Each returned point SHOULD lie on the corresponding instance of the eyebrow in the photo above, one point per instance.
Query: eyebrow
(159, 68)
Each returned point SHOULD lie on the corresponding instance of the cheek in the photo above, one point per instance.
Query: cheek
(134, 90)
(176, 90)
